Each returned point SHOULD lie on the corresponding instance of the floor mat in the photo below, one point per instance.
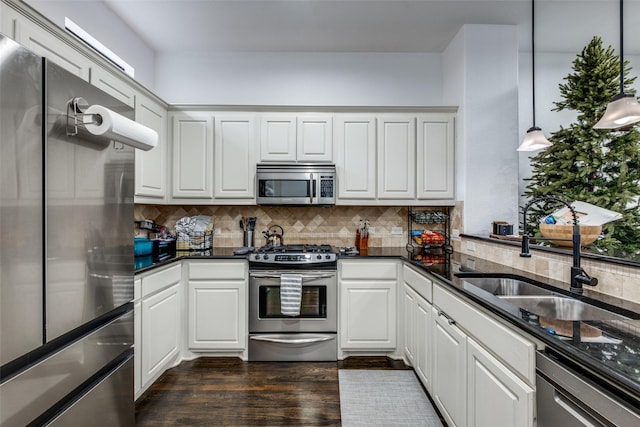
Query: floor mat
(384, 398)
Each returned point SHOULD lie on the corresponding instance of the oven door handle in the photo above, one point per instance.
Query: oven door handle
(304, 276)
(293, 341)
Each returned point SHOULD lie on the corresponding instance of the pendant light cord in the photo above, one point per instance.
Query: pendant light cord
(621, 49)
(533, 60)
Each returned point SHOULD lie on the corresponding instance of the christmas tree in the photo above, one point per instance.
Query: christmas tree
(601, 167)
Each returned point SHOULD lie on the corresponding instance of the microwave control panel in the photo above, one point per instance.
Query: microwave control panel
(326, 186)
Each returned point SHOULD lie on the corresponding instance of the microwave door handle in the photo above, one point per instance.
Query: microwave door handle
(311, 188)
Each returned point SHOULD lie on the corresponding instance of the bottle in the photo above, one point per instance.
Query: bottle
(357, 245)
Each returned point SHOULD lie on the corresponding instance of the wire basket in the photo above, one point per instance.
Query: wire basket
(195, 241)
(429, 217)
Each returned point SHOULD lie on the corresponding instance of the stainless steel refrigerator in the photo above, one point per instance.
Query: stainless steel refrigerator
(66, 252)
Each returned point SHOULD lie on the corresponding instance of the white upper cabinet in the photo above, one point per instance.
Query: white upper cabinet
(151, 166)
(192, 155)
(435, 154)
(234, 160)
(396, 157)
(315, 139)
(355, 156)
(302, 138)
(44, 42)
(278, 138)
(113, 85)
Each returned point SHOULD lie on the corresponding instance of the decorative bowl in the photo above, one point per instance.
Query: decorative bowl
(588, 233)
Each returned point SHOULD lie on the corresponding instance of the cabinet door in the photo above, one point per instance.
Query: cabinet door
(368, 315)
(355, 156)
(435, 165)
(137, 336)
(396, 157)
(114, 86)
(192, 155)
(217, 315)
(409, 305)
(160, 331)
(235, 145)
(315, 139)
(45, 43)
(450, 370)
(423, 341)
(151, 166)
(7, 19)
(496, 396)
(278, 138)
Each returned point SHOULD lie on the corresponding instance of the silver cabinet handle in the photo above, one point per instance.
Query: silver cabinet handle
(449, 319)
(292, 341)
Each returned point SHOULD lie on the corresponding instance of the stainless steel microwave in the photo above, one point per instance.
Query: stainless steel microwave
(296, 184)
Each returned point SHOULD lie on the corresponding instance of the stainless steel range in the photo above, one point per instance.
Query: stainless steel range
(293, 303)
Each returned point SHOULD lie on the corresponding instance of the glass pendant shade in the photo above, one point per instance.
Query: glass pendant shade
(622, 111)
(534, 140)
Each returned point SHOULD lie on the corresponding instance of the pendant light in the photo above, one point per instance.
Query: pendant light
(623, 110)
(534, 139)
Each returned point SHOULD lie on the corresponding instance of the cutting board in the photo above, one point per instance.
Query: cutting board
(565, 328)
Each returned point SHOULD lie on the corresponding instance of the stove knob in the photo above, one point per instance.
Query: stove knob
(257, 257)
(265, 256)
(327, 256)
(319, 256)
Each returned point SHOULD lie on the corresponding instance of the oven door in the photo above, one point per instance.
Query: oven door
(318, 309)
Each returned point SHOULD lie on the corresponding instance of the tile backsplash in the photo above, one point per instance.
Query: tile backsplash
(315, 225)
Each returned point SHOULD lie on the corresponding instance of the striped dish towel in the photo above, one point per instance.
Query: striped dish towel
(290, 294)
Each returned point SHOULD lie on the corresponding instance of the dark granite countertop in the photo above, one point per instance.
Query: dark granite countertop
(144, 264)
(613, 362)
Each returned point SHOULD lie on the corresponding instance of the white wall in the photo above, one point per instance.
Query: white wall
(336, 79)
(106, 27)
(488, 56)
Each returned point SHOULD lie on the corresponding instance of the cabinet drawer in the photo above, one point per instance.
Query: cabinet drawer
(366, 270)
(160, 280)
(217, 270)
(419, 283)
(512, 348)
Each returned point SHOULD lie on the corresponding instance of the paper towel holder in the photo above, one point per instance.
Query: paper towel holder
(76, 117)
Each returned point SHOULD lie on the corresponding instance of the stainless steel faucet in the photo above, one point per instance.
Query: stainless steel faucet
(579, 277)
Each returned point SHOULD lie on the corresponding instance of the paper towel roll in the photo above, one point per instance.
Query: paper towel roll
(119, 128)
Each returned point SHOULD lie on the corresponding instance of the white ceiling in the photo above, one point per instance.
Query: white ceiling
(366, 25)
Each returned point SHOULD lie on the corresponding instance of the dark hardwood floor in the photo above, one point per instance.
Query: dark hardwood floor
(229, 392)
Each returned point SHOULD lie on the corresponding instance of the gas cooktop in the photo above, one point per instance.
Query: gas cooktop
(294, 254)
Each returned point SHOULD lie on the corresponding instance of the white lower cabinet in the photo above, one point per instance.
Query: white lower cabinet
(418, 341)
(367, 305)
(449, 369)
(495, 395)
(423, 342)
(137, 335)
(217, 309)
(160, 323)
(483, 372)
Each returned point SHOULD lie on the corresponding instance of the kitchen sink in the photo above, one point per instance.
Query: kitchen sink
(506, 286)
(537, 299)
(561, 308)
